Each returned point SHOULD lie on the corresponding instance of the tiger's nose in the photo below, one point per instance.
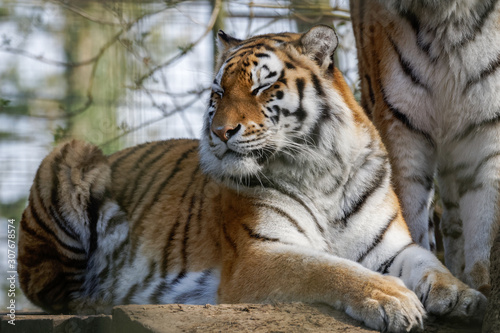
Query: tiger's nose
(226, 132)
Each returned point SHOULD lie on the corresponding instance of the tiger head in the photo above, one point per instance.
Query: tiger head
(268, 97)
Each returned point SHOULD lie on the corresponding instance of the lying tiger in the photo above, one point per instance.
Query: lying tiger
(286, 197)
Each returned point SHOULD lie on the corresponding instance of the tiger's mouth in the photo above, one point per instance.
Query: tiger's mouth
(259, 155)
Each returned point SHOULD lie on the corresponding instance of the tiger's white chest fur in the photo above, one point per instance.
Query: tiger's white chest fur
(453, 81)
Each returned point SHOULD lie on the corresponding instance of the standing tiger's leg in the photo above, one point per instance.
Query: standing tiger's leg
(412, 155)
(451, 222)
(474, 164)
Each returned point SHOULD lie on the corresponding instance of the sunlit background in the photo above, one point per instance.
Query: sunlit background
(119, 73)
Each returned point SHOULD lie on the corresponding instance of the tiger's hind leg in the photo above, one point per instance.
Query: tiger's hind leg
(58, 230)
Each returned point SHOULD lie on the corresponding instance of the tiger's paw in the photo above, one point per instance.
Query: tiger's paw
(444, 295)
(387, 305)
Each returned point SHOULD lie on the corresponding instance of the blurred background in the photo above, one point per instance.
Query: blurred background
(119, 73)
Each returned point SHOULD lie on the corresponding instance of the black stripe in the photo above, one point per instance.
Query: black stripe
(46, 228)
(64, 260)
(379, 238)
(202, 280)
(484, 12)
(103, 274)
(51, 212)
(447, 171)
(178, 278)
(127, 191)
(360, 22)
(173, 231)
(303, 204)
(449, 205)
(124, 156)
(487, 71)
(369, 190)
(485, 160)
(427, 181)
(404, 119)
(268, 184)
(424, 296)
(300, 113)
(138, 222)
(300, 83)
(174, 171)
(130, 294)
(55, 294)
(130, 205)
(55, 167)
(62, 224)
(317, 84)
(168, 246)
(371, 94)
(415, 24)
(149, 277)
(116, 220)
(262, 55)
(228, 238)
(159, 291)
(406, 66)
(199, 217)
(468, 183)
(284, 214)
(384, 267)
(271, 74)
(187, 225)
(254, 235)
(93, 209)
(475, 128)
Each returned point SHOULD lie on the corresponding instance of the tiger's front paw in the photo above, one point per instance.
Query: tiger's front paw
(444, 295)
(387, 305)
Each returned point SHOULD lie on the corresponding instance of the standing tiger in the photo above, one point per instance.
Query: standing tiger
(286, 197)
(431, 81)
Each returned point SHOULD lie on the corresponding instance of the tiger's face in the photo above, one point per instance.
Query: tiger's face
(267, 97)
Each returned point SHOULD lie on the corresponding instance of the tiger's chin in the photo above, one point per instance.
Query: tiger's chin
(231, 166)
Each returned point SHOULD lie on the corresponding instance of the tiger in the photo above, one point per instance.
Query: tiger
(430, 81)
(286, 197)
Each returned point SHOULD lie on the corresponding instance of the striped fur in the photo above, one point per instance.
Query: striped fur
(286, 197)
(430, 79)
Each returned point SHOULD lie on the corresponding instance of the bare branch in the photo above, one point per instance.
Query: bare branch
(185, 50)
(78, 11)
(149, 122)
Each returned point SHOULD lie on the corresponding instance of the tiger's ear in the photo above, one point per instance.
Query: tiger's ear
(224, 43)
(320, 43)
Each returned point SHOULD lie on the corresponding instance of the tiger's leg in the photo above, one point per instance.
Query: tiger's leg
(451, 222)
(475, 160)
(413, 163)
(439, 291)
(63, 227)
(270, 271)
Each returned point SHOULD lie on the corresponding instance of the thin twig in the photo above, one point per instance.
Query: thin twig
(149, 122)
(78, 11)
(186, 49)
